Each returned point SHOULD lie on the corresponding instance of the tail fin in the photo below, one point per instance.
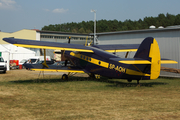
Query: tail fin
(147, 60)
(149, 49)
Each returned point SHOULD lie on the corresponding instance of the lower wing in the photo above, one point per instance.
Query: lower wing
(52, 68)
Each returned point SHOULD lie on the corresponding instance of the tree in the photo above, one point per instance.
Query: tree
(102, 26)
(81, 30)
(88, 31)
(115, 25)
(177, 20)
(170, 19)
(74, 31)
(161, 20)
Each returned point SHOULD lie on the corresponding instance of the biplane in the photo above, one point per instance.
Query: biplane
(98, 59)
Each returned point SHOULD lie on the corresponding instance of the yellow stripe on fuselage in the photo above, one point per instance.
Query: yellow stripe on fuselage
(90, 59)
(124, 50)
(57, 48)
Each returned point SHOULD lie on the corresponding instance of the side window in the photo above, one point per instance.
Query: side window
(1, 60)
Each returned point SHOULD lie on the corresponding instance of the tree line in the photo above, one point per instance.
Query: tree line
(115, 25)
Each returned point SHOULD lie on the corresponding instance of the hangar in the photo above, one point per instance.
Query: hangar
(167, 38)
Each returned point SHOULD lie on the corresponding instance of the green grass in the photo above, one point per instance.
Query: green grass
(82, 98)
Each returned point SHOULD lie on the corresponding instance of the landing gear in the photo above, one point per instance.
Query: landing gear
(129, 80)
(91, 75)
(138, 82)
(94, 76)
(64, 77)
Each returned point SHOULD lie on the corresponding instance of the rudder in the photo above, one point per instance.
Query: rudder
(149, 49)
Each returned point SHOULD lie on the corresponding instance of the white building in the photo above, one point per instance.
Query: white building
(167, 38)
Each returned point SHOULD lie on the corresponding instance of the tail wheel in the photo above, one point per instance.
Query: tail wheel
(64, 77)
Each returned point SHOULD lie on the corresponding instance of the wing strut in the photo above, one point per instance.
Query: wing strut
(44, 63)
(127, 54)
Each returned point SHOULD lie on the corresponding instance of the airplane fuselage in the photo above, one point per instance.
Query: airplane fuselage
(99, 63)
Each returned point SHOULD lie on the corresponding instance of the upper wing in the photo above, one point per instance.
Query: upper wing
(47, 45)
(118, 47)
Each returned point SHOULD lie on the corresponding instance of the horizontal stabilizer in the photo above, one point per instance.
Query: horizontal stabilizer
(132, 60)
(141, 61)
(168, 61)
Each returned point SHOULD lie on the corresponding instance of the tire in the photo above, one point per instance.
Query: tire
(129, 80)
(64, 77)
(91, 75)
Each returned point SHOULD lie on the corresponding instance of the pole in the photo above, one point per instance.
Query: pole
(94, 26)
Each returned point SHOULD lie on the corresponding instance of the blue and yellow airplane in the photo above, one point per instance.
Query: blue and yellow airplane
(97, 59)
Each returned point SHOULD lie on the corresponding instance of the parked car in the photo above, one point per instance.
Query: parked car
(37, 59)
(3, 66)
(62, 63)
(47, 62)
(21, 63)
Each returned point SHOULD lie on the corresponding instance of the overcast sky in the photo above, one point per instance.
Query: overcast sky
(29, 14)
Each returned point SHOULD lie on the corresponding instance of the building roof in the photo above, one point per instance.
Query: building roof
(172, 28)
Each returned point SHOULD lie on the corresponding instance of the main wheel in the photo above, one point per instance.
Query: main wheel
(91, 75)
(64, 77)
(129, 80)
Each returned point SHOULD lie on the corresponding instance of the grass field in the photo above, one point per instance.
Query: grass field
(23, 96)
